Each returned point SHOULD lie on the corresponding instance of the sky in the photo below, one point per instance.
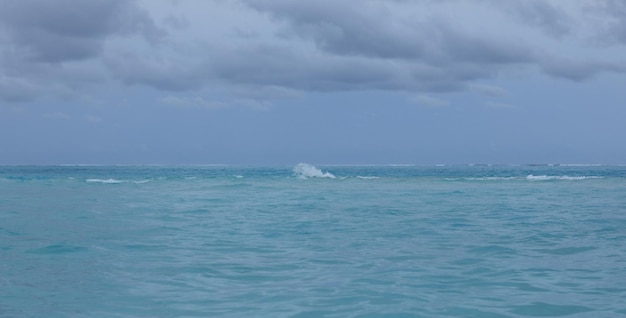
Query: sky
(277, 82)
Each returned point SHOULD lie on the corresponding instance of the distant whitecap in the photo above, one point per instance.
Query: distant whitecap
(490, 178)
(104, 180)
(545, 177)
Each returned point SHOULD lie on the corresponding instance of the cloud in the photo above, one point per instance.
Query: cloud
(53, 48)
(272, 49)
(345, 28)
(326, 47)
(378, 29)
(544, 15)
(16, 89)
(383, 45)
(71, 30)
(290, 68)
(610, 16)
(577, 70)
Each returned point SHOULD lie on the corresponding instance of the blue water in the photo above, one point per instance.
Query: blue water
(304, 241)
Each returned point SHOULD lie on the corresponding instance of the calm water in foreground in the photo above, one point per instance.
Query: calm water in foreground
(460, 241)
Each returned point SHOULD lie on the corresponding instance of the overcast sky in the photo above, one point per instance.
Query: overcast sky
(323, 82)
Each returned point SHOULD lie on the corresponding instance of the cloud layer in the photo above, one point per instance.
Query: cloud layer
(265, 49)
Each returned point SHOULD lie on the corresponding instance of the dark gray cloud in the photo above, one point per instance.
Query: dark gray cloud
(56, 31)
(372, 45)
(345, 29)
(279, 66)
(290, 46)
(286, 67)
(364, 45)
(579, 71)
(42, 41)
(372, 29)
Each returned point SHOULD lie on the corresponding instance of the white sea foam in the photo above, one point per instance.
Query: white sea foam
(581, 164)
(545, 177)
(367, 177)
(305, 170)
(238, 176)
(115, 181)
(105, 180)
(490, 178)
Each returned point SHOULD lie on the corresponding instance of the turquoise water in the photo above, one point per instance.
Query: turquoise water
(391, 241)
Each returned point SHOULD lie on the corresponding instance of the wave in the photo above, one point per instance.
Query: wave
(305, 171)
(582, 164)
(367, 177)
(115, 181)
(545, 177)
(105, 180)
(529, 178)
(490, 178)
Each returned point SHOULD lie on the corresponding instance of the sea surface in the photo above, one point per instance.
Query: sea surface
(306, 241)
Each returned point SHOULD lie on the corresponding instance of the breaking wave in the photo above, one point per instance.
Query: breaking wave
(105, 180)
(545, 177)
(530, 177)
(490, 178)
(115, 181)
(305, 171)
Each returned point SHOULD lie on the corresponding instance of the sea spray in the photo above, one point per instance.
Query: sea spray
(305, 170)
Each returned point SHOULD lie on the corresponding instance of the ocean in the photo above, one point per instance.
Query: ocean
(307, 241)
